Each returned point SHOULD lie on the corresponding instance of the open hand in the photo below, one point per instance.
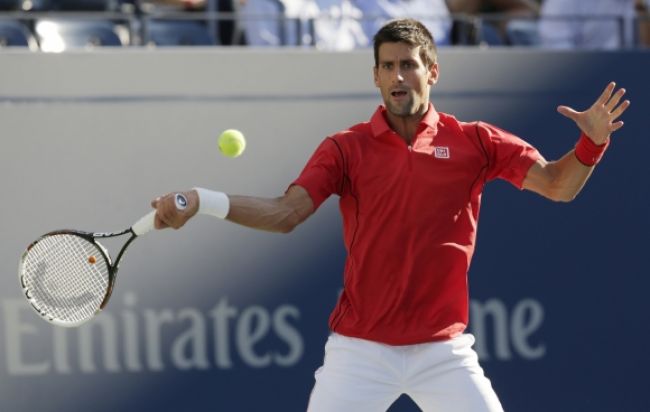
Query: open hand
(599, 121)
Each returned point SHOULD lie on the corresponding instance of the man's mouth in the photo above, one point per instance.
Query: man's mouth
(398, 93)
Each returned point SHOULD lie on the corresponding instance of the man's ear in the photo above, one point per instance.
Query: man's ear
(434, 72)
(375, 75)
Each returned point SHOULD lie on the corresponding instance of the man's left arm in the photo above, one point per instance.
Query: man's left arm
(562, 179)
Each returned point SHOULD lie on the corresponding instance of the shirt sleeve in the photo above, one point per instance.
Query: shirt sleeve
(510, 157)
(323, 173)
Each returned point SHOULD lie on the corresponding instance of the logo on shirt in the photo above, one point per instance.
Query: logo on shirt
(441, 152)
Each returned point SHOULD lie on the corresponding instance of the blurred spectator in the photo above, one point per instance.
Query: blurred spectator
(261, 22)
(327, 24)
(339, 26)
(172, 5)
(275, 22)
(224, 29)
(69, 5)
(335, 24)
(512, 21)
(594, 24)
(643, 15)
(513, 7)
(434, 14)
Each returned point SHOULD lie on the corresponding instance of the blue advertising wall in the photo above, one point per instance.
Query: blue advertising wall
(583, 260)
(221, 318)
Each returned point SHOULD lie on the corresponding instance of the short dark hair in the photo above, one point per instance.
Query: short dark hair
(411, 32)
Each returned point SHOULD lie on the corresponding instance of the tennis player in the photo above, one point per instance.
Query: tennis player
(410, 182)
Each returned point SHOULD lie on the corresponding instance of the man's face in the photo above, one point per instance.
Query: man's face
(403, 79)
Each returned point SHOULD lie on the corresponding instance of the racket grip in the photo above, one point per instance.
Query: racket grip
(145, 224)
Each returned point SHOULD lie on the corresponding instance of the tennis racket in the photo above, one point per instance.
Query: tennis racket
(68, 276)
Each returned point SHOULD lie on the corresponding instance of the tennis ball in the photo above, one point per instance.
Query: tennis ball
(232, 143)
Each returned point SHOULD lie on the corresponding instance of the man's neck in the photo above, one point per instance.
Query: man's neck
(406, 126)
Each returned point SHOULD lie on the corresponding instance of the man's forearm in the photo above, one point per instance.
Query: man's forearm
(280, 214)
(569, 177)
(264, 214)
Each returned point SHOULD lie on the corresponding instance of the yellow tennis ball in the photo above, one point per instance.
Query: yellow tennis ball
(232, 143)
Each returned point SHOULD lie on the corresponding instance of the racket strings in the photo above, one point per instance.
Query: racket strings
(61, 280)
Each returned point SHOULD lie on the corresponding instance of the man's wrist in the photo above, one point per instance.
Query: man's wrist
(589, 153)
(213, 203)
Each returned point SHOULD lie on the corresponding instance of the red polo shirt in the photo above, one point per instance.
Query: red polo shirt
(409, 220)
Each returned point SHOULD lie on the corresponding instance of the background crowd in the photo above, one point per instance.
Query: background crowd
(325, 24)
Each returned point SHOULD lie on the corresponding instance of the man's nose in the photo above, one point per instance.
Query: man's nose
(398, 77)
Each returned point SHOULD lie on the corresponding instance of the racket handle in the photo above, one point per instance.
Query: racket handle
(145, 224)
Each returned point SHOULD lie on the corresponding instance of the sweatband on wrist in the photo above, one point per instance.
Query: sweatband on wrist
(589, 153)
(213, 203)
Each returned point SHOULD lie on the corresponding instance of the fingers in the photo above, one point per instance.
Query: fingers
(613, 102)
(567, 112)
(619, 110)
(607, 93)
(598, 122)
(159, 224)
(168, 214)
(615, 126)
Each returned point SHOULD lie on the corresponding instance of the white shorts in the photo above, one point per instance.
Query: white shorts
(364, 376)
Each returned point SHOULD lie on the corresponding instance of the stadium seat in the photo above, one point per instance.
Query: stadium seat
(60, 35)
(177, 33)
(15, 34)
(523, 33)
(475, 33)
(11, 4)
(78, 5)
(489, 35)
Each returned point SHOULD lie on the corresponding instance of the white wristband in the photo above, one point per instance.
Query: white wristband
(213, 203)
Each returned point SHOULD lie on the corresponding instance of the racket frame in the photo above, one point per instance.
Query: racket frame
(144, 225)
(111, 267)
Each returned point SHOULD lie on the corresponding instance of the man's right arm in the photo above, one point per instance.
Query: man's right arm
(280, 214)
